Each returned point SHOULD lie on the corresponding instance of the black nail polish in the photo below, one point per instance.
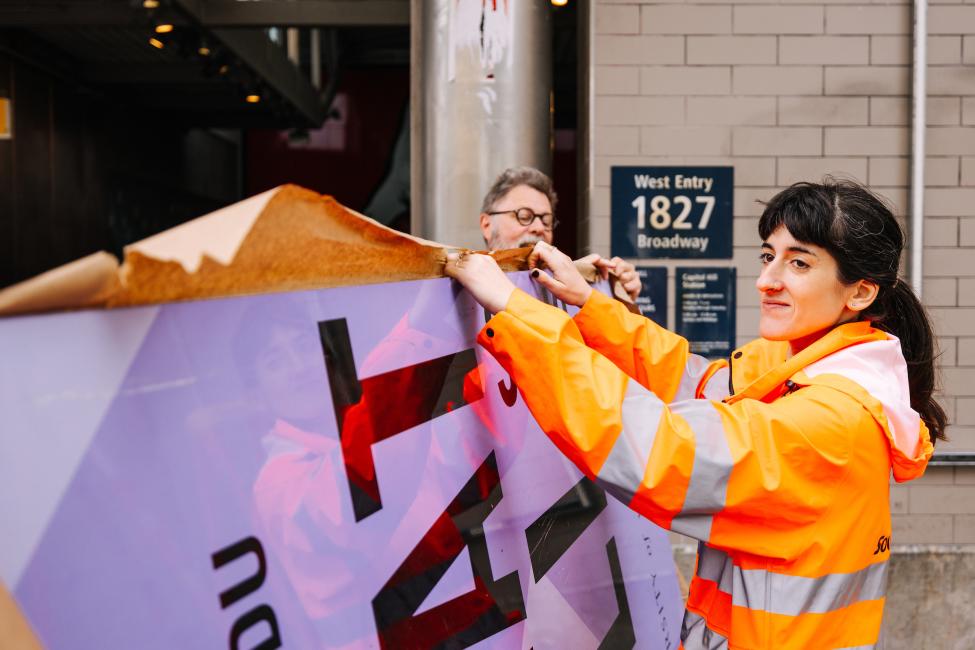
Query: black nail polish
(535, 273)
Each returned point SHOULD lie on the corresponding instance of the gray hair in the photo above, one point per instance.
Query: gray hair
(512, 178)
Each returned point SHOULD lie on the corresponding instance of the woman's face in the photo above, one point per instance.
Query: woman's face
(291, 376)
(801, 293)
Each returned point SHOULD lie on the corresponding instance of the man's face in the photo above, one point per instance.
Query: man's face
(503, 231)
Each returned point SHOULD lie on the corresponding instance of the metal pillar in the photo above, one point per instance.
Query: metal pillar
(919, 102)
(480, 102)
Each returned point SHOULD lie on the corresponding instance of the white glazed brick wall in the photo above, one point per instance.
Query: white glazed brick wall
(790, 90)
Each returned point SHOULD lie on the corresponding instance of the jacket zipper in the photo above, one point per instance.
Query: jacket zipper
(731, 376)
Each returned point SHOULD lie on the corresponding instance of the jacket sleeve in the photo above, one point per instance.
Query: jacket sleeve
(744, 476)
(654, 356)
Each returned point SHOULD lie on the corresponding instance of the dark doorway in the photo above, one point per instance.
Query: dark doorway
(565, 86)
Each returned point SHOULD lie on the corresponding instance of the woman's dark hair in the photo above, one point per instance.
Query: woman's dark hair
(860, 232)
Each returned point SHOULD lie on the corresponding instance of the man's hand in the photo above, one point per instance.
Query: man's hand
(625, 272)
(482, 276)
(628, 277)
(565, 283)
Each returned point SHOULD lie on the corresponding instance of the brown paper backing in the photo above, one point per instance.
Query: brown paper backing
(15, 631)
(300, 240)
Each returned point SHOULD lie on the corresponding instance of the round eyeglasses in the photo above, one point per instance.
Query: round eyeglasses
(525, 217)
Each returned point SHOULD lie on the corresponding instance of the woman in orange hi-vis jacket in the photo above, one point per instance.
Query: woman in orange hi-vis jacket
(778, 459)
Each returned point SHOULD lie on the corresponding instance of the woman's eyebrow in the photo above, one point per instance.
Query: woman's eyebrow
(790, 249)
(800, 249)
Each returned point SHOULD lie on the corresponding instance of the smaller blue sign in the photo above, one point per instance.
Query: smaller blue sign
(705, 309)
(671, 212)
(652, 300)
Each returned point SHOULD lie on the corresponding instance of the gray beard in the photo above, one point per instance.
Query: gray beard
(495, 243)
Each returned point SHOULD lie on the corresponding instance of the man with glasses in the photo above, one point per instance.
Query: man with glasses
(519, 210)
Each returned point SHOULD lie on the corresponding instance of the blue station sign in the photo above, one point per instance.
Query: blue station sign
(672, 212)
(705, 309)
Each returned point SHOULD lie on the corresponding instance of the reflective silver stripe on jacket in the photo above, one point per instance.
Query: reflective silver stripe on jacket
(717, 386)
(778, 593)
(715, 565)
(622, 473)
(696, 635)
(708, 487)
(795, 595)
(694, 369)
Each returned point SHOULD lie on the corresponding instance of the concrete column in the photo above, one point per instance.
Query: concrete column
(480, 102)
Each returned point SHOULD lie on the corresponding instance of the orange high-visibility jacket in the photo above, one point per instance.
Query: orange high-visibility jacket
(779, 465)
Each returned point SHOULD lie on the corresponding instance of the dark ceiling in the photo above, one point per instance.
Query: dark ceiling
(103, 47)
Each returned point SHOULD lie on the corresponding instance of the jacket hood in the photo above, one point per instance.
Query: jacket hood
(871, 359)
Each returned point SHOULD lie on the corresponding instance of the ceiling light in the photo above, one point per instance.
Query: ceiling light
(150, 4)
(203, 50)
(253, 98)
(560, 3)
(156, 43)
(164, 28)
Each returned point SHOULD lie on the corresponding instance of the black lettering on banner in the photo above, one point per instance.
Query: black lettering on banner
(658, 599)
(558, 528)
(621, 634)
(492, 606)
(883, 545)
(251, 618)
(243, 589)
(251, 584)
(508, 393)
(366, 412)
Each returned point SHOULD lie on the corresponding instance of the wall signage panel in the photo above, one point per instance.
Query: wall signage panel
(652, 300)
(672, 212)
(705, 309)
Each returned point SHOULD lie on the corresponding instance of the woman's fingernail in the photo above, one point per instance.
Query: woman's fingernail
(535, 273)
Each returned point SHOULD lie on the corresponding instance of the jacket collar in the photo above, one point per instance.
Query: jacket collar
(763, 371)
(760, 369)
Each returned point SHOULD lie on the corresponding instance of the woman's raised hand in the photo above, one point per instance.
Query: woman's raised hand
(565, 281)
(482, 276)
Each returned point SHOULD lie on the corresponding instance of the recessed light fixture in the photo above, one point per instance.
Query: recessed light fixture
(164, 28)
(156, 43)
(150, 4)
(253, 98)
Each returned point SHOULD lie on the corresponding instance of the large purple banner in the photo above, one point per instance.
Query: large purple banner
(341, 468)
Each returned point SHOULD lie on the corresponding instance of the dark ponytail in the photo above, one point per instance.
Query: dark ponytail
(860, 232)
(898, 311)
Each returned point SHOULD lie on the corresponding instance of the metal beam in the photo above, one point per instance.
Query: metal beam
(39, 13)
(20, 45)
(176, 72)
(956, 458)
(300, 13)
(211, 13)
(268, 60)
(271, 64)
